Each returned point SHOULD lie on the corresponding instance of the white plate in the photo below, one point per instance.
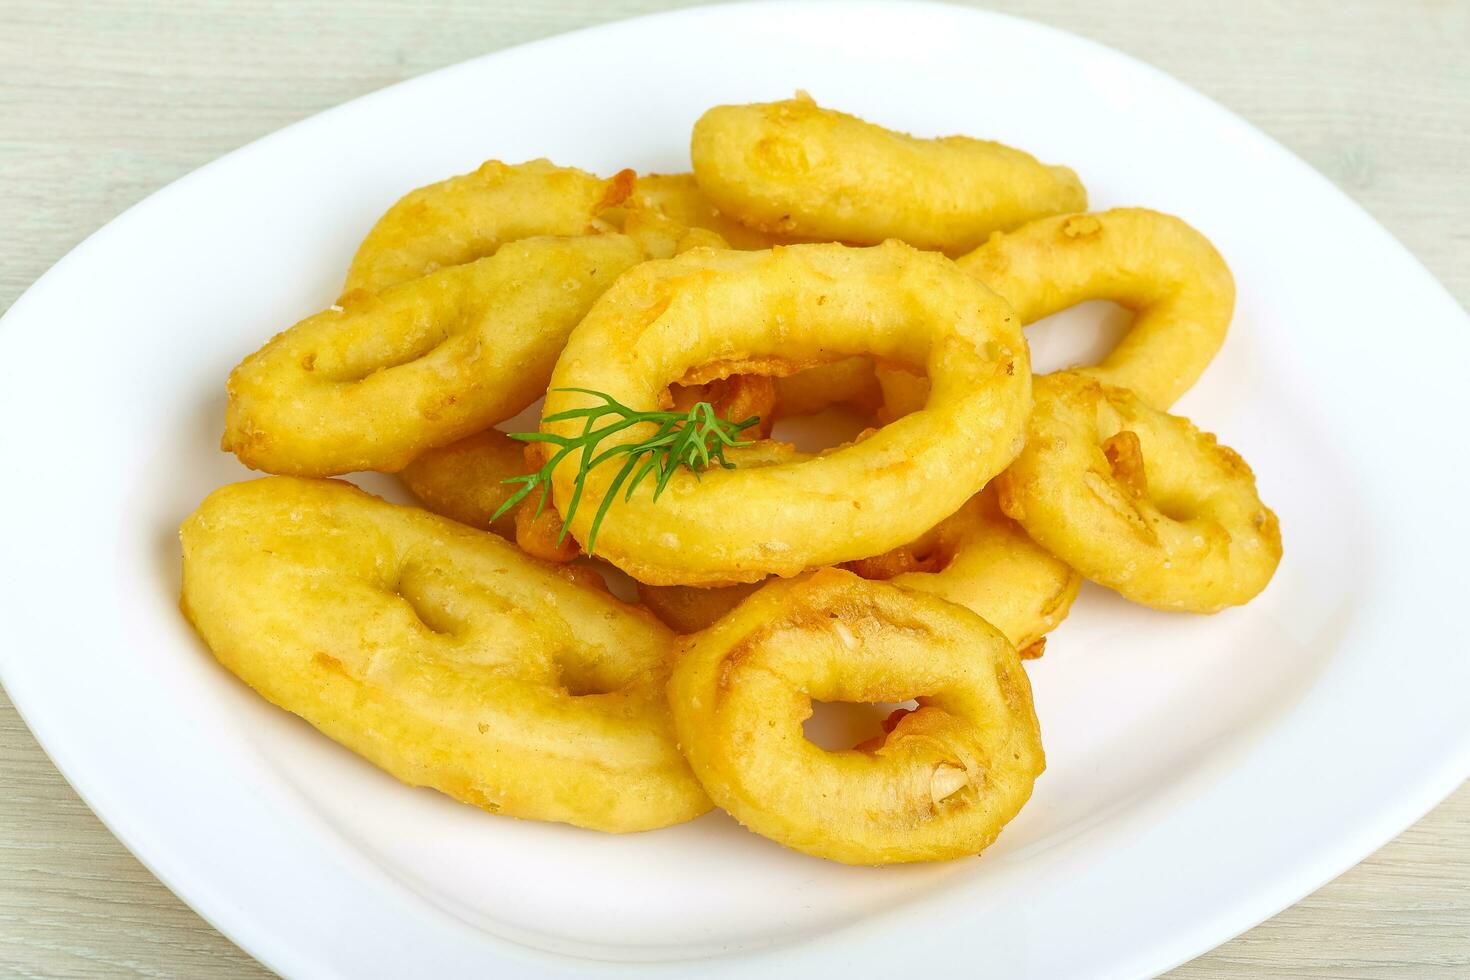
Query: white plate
(1205, 772)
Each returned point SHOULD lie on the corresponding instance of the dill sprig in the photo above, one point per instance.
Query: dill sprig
(696, 439)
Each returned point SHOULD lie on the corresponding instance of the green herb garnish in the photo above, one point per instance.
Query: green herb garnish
(696, 439)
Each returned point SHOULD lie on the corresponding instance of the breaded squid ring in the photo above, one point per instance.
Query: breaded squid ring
(793, 168)
(470, 216)
(374, 382)
(465, 480)
(1178, 286)
(1138, 500)
(851, 382)
(687, 609)
(678, 197)
(943, 782)
(439, 653)
(710, 313)
(981, 559)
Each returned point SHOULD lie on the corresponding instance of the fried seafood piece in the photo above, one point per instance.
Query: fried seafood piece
(678, 197)
(941, 784)
(982, 560)
(794, 168)
(1138, 500)
(456, 306)
(465, 480)
(1179, 288)
(735, 398)
(439, 653)
(851, 382)
(712, 313)
(688, 609)
(472, 215)
(374, 382)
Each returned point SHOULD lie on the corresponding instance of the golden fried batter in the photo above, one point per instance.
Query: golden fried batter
(375, 382)
(1138, 500)
(793, 168)
(984, 561)
(785, 310)
(943, 781)
(439, 653)
(1178, 286)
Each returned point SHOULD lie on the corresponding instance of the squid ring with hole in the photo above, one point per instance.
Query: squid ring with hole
(1178, 286)
(439, 653)
(1138, 500)
(940, 785)
(711, 313)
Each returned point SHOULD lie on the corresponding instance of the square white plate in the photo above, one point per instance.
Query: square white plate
(1204, 772)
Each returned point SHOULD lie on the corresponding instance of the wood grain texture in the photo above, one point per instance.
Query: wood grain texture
(103, 102)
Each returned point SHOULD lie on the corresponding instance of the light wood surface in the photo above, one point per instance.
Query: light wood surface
(103, 102)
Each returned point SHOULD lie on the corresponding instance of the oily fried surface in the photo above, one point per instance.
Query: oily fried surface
(943, 781)
(439, 653)
(374, 382)
(1166, 516)
(785, 310)
(686, 609)
(1156, 265)
(678, 196)
(851, 382)
(465, 480)
(470, 216)
(793, 168)
(984, 561)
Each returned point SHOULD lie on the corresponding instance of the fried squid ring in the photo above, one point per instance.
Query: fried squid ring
(942, 783)
(983, 560)
(851, 382)
(1168, 274)
(439, 653)
(1138, 500)
(678, 197)
(465, 481)
(470, 216)
(372, 383)
(687, 609)
(710, 313)
(792, 168)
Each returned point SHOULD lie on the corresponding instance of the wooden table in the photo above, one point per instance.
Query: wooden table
(102, 102)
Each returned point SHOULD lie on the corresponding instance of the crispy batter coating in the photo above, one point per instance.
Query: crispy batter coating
(983, 560)
(736, 398)
(471, 216)
(1138, 500)
(439, 653)
(775, 313)
(904, 392)
(539, 535)
(678, 197)
(793, 168)
(688, 609)
(1168, 274)
(943, 781)
(466, 479)
(373, 383)
(850, 382)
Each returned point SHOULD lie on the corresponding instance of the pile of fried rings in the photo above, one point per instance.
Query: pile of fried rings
(811, 262)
